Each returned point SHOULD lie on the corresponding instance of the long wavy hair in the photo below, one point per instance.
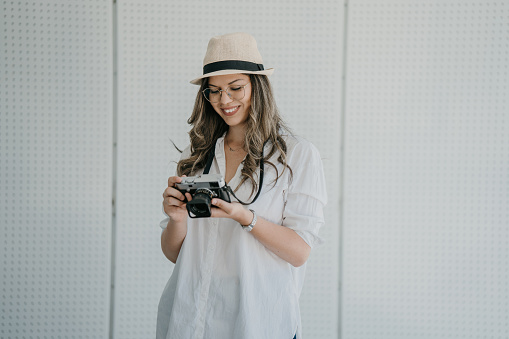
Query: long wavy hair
(264, 124)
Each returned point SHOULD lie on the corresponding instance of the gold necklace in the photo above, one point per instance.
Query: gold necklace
(231, 149)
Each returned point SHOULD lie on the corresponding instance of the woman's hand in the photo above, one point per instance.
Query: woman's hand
(232, 210)
(174, 202)
(281, 240)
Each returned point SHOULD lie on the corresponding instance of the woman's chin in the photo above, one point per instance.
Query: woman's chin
(234, 121)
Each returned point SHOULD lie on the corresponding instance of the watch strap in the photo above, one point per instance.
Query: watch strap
(249, 227)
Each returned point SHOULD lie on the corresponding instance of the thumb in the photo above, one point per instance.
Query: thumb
(222, 205)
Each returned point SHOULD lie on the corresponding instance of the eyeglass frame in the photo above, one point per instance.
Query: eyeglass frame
(226, 91)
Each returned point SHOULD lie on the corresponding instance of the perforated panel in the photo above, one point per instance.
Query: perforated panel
(427, 170)
(55, 151)
(161, 48)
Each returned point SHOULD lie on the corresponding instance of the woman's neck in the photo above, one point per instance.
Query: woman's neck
(235, 135)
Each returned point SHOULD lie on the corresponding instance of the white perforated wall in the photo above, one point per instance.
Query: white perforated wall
(426, 195)
(56, 174)
(161, 46)
(426, 165)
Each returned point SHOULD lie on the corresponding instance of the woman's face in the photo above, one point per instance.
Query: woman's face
(234, 109)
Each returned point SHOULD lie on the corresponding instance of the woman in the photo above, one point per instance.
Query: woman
(239, 273)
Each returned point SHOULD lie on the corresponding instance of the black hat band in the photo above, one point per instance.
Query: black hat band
(232, 64)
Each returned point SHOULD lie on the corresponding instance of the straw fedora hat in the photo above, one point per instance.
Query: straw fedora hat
(232, 54)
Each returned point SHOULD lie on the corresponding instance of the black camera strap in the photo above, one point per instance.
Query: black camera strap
(206, 170)
(210, 159)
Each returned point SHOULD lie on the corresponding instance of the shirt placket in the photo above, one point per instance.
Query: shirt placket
(206, 274)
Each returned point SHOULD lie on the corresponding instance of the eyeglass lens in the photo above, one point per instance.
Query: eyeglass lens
(234, 92)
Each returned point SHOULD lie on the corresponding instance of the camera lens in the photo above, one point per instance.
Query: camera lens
(199, 206)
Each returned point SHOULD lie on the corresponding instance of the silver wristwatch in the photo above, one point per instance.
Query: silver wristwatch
(249, 227)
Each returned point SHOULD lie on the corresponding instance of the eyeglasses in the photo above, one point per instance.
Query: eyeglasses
(234, 92)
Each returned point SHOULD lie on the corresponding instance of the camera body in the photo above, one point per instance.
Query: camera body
(202, 189)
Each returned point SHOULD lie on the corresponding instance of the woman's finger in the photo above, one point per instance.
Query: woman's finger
(225, 206)
(172, 192)
(172, 201)
(173, 180)
(216, 212)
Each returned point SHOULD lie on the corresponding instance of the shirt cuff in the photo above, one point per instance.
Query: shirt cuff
(164, 223)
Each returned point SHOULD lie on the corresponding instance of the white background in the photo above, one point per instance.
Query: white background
(406, 101)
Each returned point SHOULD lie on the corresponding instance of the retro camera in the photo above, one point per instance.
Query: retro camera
(202, 189)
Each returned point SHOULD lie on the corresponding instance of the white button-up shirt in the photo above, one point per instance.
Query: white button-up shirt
(225, 283)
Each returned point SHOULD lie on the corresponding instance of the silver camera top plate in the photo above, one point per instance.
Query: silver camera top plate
(201, 181)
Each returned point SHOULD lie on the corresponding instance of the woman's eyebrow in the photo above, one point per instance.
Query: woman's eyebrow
(228, 83)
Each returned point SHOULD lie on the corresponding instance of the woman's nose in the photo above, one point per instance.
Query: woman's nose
(225, 98)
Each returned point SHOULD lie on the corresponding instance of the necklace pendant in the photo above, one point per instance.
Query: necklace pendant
(231, 149)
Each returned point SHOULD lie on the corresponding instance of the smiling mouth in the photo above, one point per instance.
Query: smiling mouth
(230, 111)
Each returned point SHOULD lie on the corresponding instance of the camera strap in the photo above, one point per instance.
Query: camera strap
(206, 170)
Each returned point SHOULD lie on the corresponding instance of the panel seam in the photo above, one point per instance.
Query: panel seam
(114, 169)
(342, 171)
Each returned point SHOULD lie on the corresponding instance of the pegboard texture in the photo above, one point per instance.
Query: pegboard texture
(56, 173)
(426, 196)
(161, 46)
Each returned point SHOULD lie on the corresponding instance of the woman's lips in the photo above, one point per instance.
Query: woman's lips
(229, 111)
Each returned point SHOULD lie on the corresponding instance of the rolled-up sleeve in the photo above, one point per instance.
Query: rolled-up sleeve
(164, 223)
(307, 195)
